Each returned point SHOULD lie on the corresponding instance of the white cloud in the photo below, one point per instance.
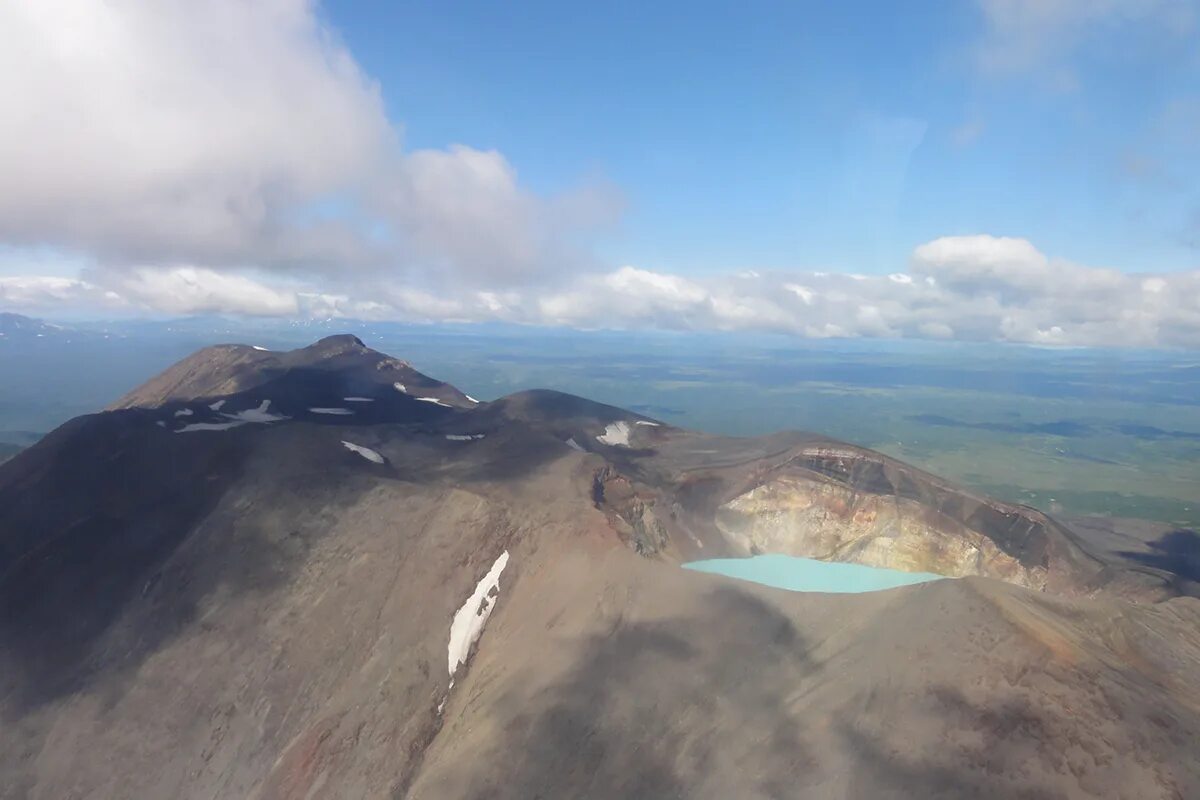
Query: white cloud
(52, 292)
(228, 134)
(963, 287)
(193, 290)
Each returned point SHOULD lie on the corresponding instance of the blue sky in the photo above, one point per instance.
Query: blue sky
(822, 135)
(1014, 170)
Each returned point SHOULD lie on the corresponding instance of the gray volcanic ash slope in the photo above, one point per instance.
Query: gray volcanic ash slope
(323, 574)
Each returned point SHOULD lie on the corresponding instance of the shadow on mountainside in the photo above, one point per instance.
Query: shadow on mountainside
(1090, 738)
(1177, 552)
(97, 523)
(985, 751)
(728, 700)
(658, 709)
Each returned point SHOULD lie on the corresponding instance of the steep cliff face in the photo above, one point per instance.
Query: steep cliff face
(832, 501)
(833, 522)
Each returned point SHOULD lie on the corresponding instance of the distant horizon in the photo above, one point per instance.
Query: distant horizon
(533, 329)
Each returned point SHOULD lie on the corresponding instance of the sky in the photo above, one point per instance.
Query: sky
(1012, 170)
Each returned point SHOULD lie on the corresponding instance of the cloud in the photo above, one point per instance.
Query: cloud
(967, 133)
(981, 288)
(1041, 37)
(192, 290)
(43, 292)
(230, 134)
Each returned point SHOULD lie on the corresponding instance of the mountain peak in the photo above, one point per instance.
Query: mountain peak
(335, 366)
(338, 343)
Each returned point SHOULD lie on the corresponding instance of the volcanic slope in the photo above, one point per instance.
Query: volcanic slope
(323, 574)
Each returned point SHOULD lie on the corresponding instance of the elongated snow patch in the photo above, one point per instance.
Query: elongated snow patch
(472, 399)
(647, 422)
(359, 399)
(183, 412)
(469, 620)
(464, 437)
(400, 387)
(261, 414)
(256, 347)
(616, 434)
(217, 405)
(211, 426)
(433, 400)
(365, 452)
(337, 411)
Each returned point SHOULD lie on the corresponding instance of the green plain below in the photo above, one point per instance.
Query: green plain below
(809, 574)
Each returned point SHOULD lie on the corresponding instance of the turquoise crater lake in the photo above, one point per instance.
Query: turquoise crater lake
(810, 575)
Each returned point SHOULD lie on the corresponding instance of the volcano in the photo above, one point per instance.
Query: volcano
(322, 573)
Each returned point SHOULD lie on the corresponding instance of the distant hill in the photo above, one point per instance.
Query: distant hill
(18, 326)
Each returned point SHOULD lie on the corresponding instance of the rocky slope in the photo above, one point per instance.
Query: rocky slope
(280, 575)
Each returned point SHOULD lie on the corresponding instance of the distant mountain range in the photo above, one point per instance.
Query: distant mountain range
(322, 573)
(16, 326)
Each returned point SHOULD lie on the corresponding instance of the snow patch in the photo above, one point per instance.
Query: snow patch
(472, 399)
(616, 434)
(400, 387)
(464, 437)
(336, 411)
(183, 412)
(161, 424)
(647, 422)
(211, 426)
(262, 414)
(217, 405)
(256, 347)
(359, 399)
(365, 452)
(433, 400)
(574, 445)
(467, 626)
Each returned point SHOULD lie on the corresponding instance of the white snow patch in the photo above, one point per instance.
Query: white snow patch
(359, 399)
(574, 445)
(211, 426)
(337, 411)
(472, 399)
(261, 414)
(616, 434)
(433, 400)
(400, 387)
(161, 424)
(365, 452)
(467, 626)
(647, 422)
(217, 405)
(256, 347)
(464, 437)
(183, 412)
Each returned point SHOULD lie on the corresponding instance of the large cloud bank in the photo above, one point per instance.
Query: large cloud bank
(966, 287)
(231, 134)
